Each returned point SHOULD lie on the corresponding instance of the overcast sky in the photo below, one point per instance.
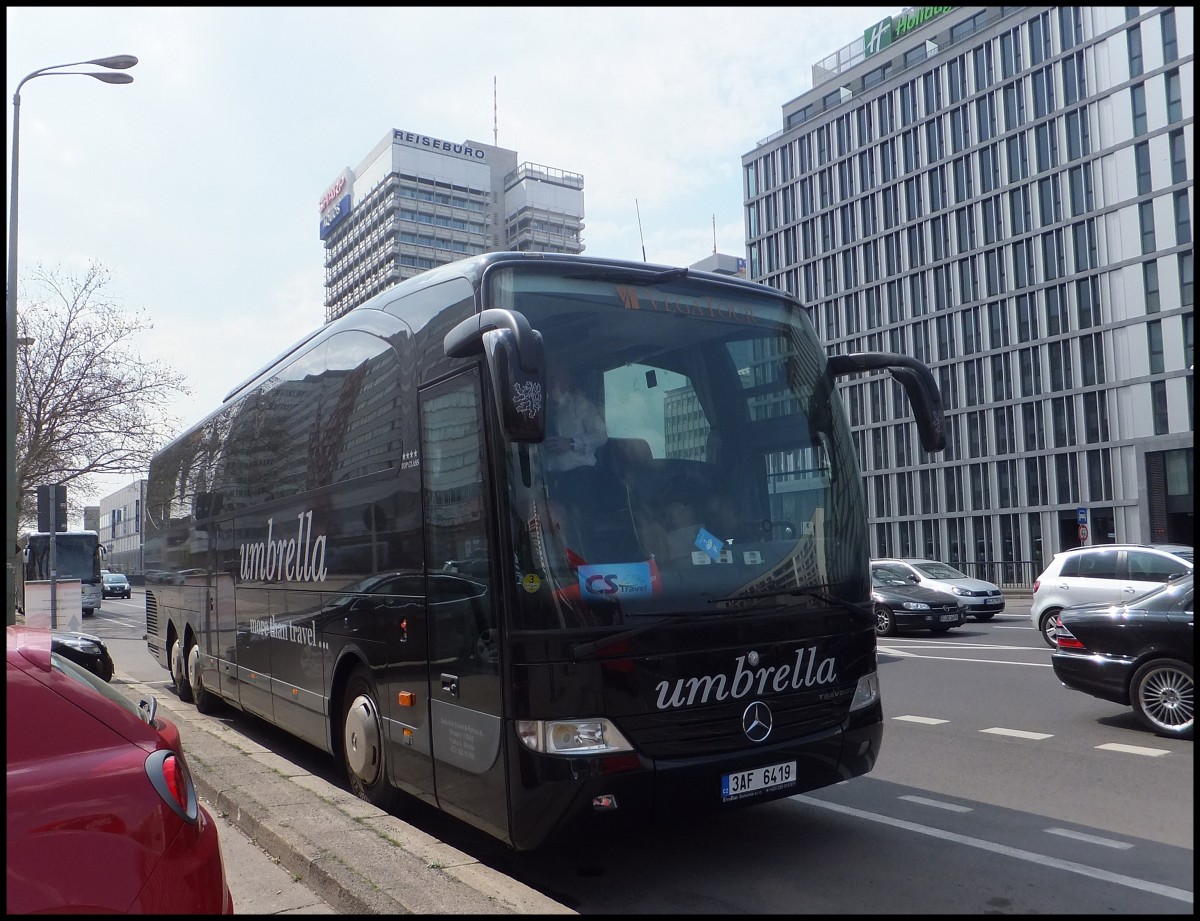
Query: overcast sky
(197, 184)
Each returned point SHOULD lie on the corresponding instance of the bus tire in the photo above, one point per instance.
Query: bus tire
(179, 673)
(205, 700)
(364, 753)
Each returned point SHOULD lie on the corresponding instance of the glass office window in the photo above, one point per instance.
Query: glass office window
(1154, 346)
(1158, 403)
(1137, 102)
(1133, 39)
(1150, 286)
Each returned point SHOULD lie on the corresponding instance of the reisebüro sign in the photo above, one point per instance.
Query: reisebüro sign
(447, 147)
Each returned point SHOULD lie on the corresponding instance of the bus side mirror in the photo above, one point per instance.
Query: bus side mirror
(918, 383)
(520, 395)
(515, 360)
(25, 555)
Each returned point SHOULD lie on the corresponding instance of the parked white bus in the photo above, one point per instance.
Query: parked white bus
(77, 555)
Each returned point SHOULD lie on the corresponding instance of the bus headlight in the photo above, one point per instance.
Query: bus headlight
(572, 737)
(866, 693)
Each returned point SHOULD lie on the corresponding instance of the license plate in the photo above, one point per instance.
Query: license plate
(947, 618)
(748, 783)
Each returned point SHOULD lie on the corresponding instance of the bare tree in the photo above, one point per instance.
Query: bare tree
(87, 403)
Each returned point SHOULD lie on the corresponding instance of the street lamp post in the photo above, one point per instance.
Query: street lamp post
(116, 62)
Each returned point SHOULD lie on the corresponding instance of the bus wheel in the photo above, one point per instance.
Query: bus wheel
(179, 673)
(363, 750)
(206, 701)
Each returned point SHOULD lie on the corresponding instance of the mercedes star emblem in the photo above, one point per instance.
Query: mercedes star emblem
(757, 721)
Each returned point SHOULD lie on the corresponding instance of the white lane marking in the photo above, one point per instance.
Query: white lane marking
(937, 804)
(111, 620)
(1038, 736)
(1019, 734)
(950, 644)
(1134, 749)
(893, 651)
(1090, 839)
(1070, 866)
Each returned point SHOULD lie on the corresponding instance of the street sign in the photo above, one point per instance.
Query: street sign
(1083, 532)
(1081, 515)
(52, 507)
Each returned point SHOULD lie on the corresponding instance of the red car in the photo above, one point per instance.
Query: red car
(102, 814)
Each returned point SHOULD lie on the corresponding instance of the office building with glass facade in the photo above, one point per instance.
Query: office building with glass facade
(1006, 194)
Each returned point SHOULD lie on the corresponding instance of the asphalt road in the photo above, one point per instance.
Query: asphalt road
(997, 791)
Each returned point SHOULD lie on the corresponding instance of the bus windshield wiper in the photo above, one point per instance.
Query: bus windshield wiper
(811, 591)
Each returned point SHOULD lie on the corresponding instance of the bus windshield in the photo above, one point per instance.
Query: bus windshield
(75, 557)
(696, 457)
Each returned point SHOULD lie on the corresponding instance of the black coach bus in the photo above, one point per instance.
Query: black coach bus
(368, 545)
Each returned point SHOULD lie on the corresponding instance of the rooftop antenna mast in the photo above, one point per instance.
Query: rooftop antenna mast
(643, 239)
(714, 233)
(495, 117)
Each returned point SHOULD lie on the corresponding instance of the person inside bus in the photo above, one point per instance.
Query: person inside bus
(576, 423)
(575, 431)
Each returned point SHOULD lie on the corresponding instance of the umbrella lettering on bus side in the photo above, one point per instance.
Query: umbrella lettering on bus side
(301, 559)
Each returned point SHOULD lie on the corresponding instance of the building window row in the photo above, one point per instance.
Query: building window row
(946, 133)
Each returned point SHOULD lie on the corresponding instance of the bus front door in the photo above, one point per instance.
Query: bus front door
(464, 669)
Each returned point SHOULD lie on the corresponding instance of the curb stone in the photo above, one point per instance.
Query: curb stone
(357, 857)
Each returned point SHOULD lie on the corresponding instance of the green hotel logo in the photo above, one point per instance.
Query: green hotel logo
(880, 35)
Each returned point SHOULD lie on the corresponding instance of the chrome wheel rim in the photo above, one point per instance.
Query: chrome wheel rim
(1169, 699)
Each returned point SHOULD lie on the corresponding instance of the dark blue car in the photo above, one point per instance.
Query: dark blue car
(116, 585)
(1140, 653)
(901, 605)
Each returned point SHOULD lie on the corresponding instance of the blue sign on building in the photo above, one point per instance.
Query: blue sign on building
(334, 216)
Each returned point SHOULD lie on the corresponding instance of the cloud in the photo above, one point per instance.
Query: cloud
(197, 184)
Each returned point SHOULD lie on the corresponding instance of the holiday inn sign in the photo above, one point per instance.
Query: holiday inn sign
(884, 32)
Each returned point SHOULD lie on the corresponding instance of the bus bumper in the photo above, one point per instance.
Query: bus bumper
(617, 791)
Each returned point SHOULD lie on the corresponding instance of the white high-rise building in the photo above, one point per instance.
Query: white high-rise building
(1005, 193)
(416, 202)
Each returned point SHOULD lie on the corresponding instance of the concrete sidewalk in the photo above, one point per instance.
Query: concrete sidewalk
(358, 858)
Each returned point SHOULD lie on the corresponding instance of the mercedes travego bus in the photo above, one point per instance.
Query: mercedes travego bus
(77, 555)
(368, 545)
